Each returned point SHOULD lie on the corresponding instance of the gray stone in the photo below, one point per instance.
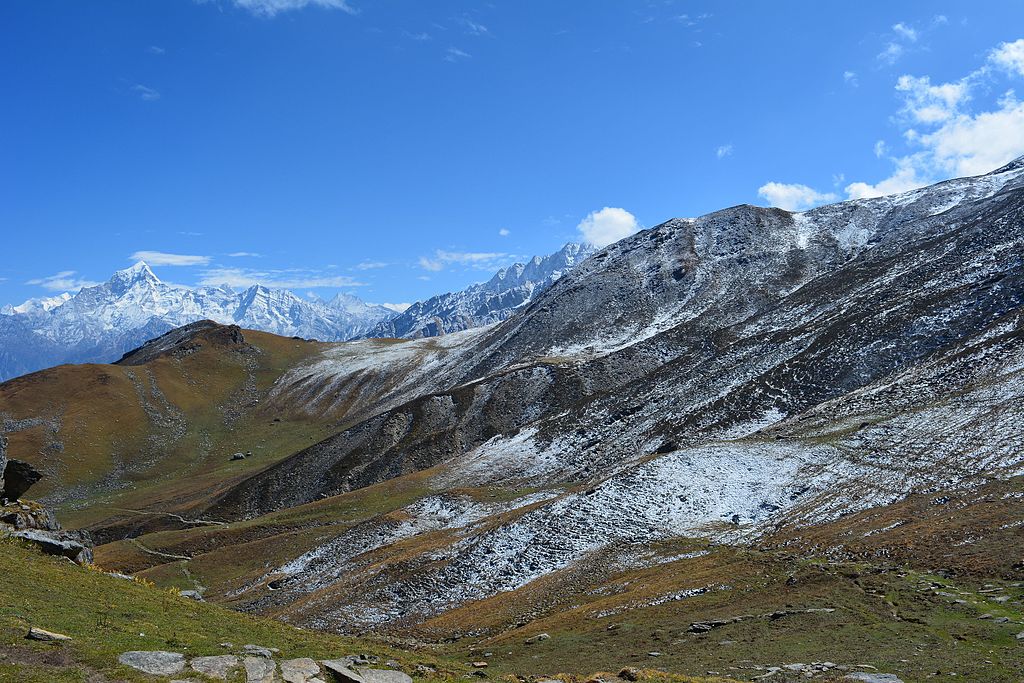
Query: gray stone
(539, 638)
(259, 670)
(260, 651)
(384, 676)
(215, 667)
(57, 544)
(46, 636)
(155, 662)
(192, 595)
(340, 671)
(865, 677)
(301, 670)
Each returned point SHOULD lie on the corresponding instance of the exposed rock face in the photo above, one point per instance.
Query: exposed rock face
(3, 459)
(18, 477)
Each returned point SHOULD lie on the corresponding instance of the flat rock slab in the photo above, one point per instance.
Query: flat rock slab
(865, 677)
(302, 670)
(215, 667)
(154, 662)
(46, 636)
(338, 669)
(384, 676)
(259, 670)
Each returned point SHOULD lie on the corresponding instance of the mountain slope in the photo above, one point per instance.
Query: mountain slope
(483, 304)
(729, 416)
(763, 367)
(99, 324)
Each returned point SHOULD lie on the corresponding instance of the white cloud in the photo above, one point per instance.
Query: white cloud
(905, 31)
(1009, 56)
(904, 179)
(160, 258)
(504, 232)
(371, 265)
(793, 196)
(891, 53)
(723, 151)
(850, 78)
(478, 260)
(949, 135)
(397, 308)
(880, 149)
(155, 50)
(270, 8)
(278, 279)
(64, 281)
(927, 103)
(454, 54)
(608, 225)
(243, 254)
(146, 93)
(421, 36)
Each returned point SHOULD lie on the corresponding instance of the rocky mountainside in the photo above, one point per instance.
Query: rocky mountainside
(99, 324)
(796, 431)
(489, 302)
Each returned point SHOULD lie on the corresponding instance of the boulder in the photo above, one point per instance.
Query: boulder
(192, 595)
(865, 677)
(3, 460)
(46, 636)
(219, 666)
(53, 543)
(18, 478)
(384, 676)
(28, 515)
(339, 670)
(259, 670)
(237, 456)
(260, 651)
(302, 670)
(155, 663)
(539, 638)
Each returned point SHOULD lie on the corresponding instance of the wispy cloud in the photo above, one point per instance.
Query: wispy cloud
(161, 258)
(905, 32)
(277, 279)
(64, 281)
(244, 254)
(793, 196)
(478, 260)
(454, 54)
(850, 78)
(421, 36)
(146, 93)
(723, 150)
(371, 265)
(474, 28)
(155, 50)
(504, 232)
(271, 8)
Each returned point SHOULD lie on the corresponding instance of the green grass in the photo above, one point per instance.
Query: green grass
(106, 616)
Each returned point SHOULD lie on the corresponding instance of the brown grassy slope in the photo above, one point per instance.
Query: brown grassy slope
(114, 438)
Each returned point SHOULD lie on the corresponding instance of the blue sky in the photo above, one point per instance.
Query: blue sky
(399, 149)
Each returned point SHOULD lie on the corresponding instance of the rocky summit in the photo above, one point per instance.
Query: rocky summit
(756, 444)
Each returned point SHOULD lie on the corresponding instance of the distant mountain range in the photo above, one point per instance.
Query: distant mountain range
(482, 304)
(101, 323)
